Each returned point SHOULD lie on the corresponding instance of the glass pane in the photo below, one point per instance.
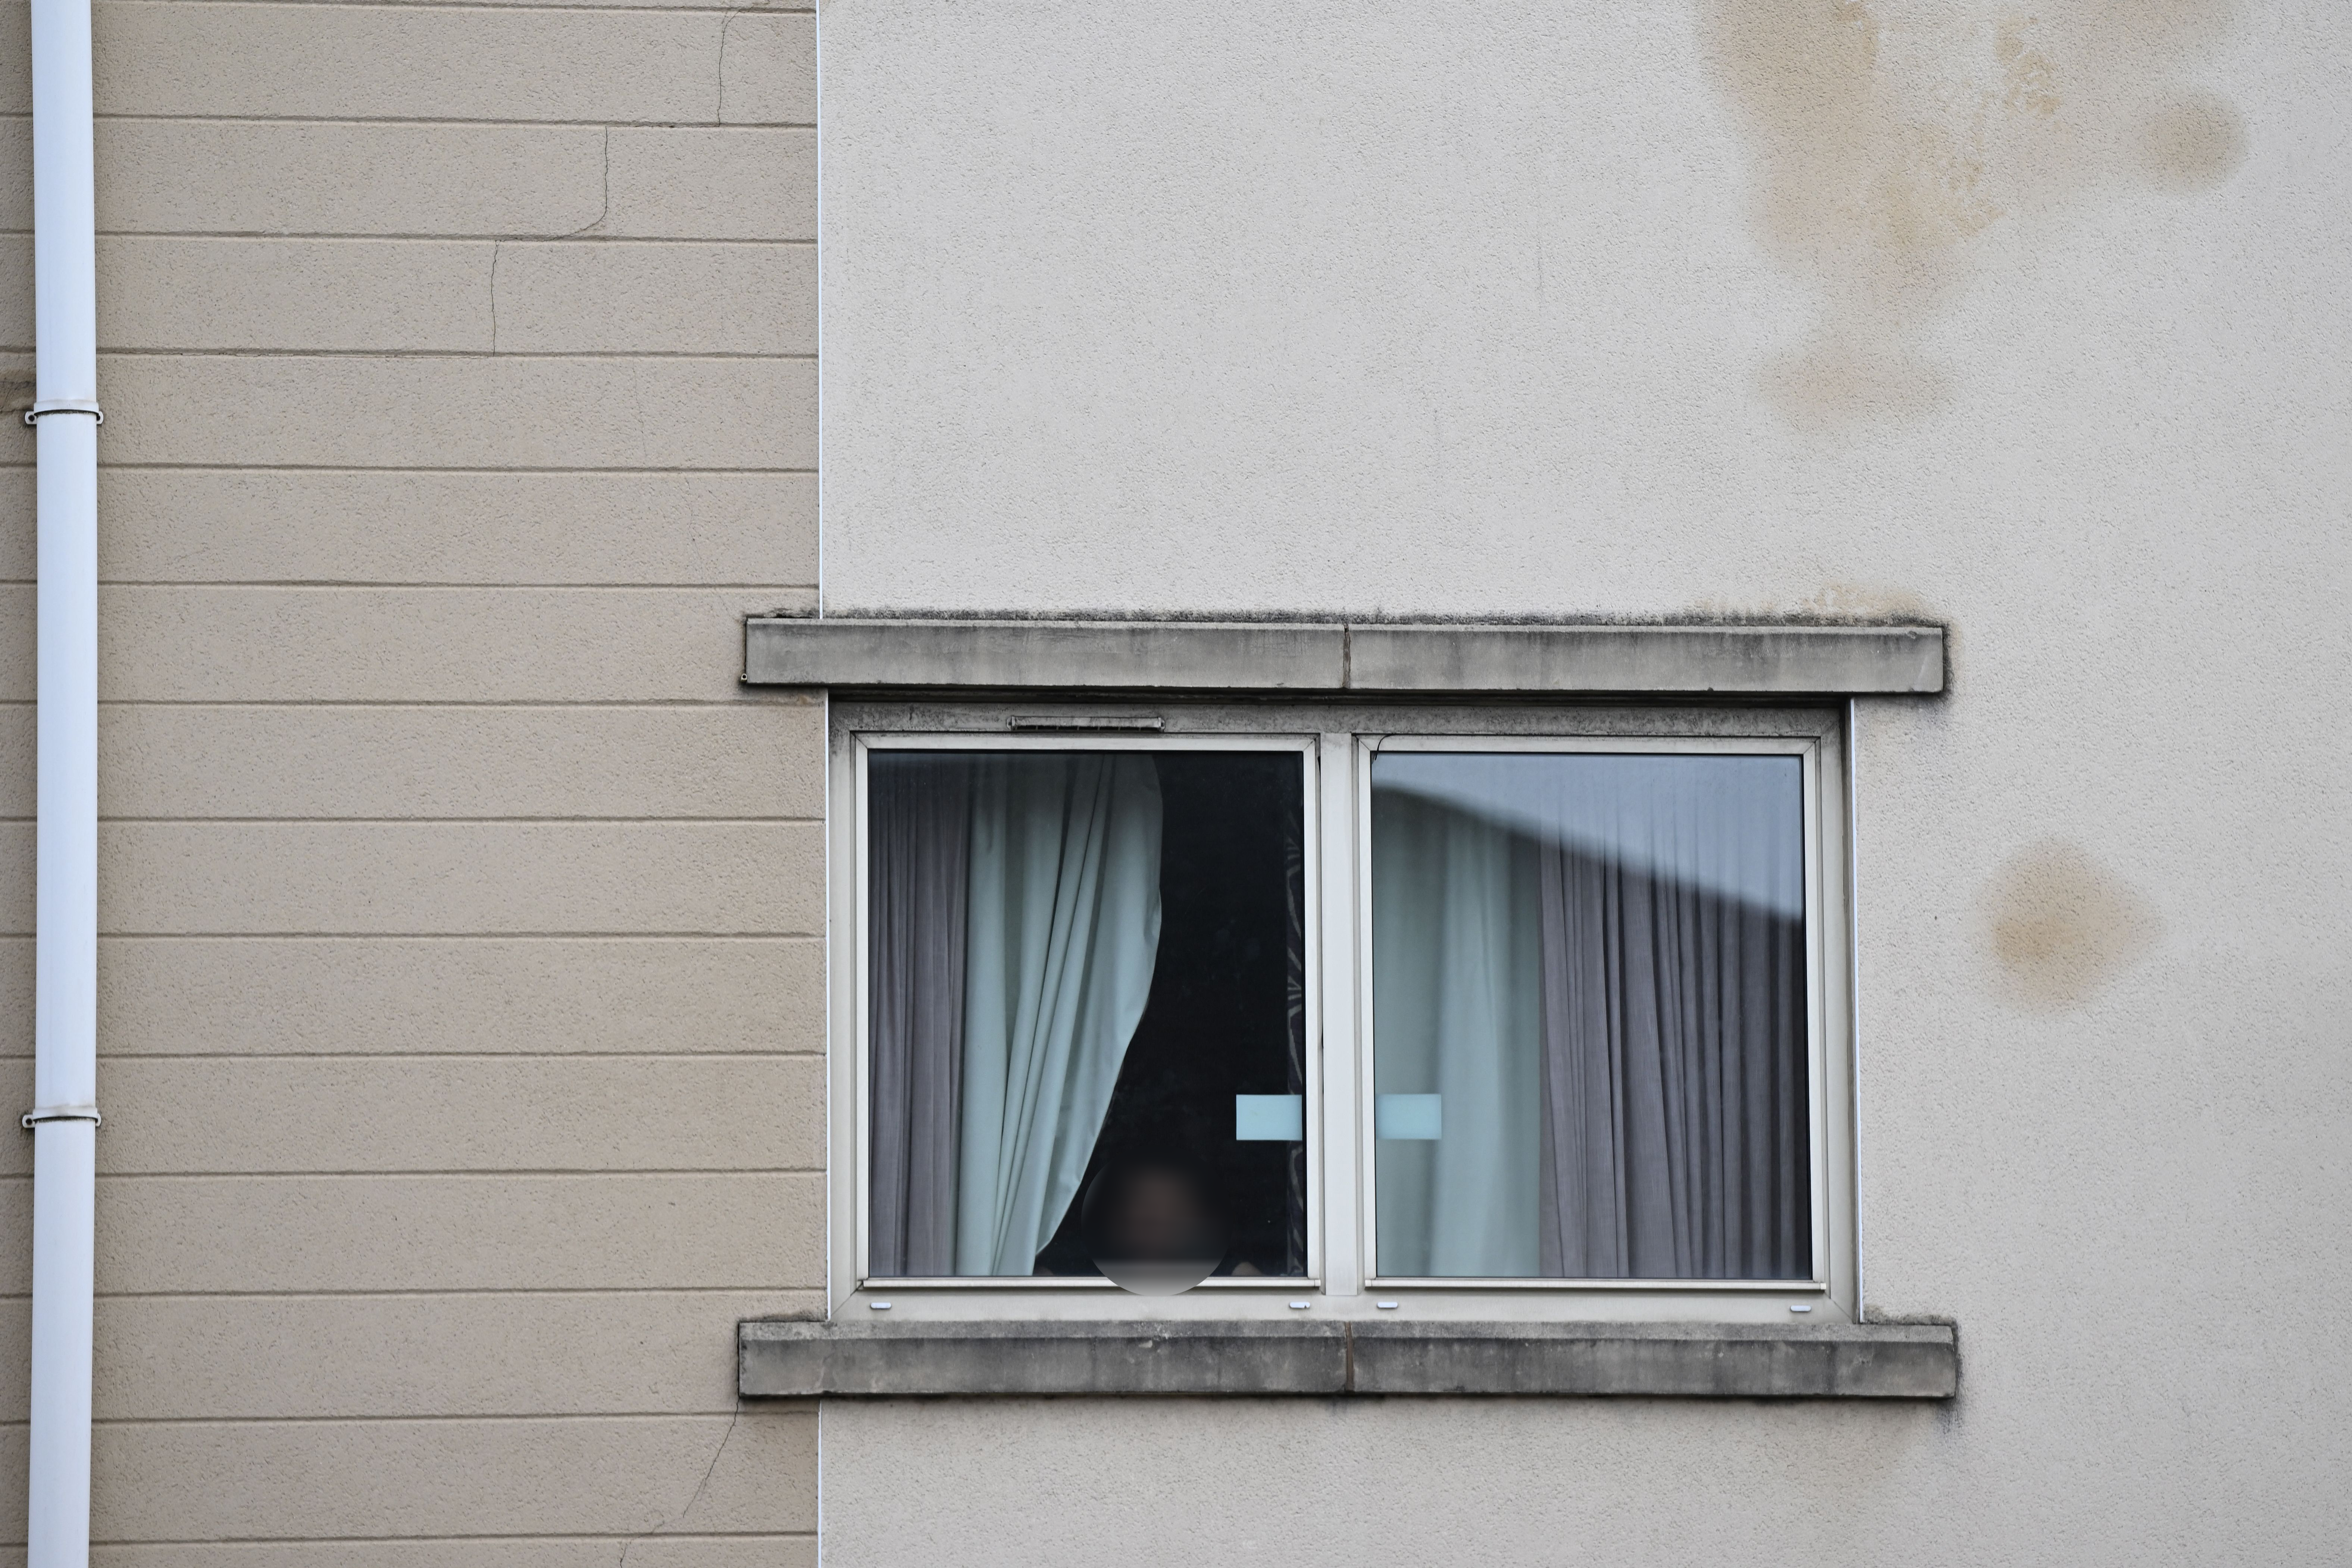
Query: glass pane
(1086, 1015)
(1589, 1016)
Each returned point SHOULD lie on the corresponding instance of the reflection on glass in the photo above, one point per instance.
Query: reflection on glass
(1087, 976)
(1589, 1016)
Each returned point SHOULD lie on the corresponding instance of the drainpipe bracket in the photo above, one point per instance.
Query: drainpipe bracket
(41, 1113)
(33, 416)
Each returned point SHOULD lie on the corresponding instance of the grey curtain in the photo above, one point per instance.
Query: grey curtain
(919, 856)
(1675, 1140)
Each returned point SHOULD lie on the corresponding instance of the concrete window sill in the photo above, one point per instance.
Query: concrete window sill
(1333, 658)
(803, 1359)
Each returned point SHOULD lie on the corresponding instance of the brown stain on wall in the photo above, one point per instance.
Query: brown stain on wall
(1889, 136)
(2194, 142)
(2061, 926)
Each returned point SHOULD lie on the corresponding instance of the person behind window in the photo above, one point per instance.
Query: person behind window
(1152, 1220)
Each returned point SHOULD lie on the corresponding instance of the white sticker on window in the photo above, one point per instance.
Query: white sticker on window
(1269, 1118)
(1409, 1116)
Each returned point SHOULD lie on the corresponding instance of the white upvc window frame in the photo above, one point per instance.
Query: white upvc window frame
(1336, 742)
(864, 746)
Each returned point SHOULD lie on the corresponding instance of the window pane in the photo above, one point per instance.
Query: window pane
(1087, 993)
(1589, 1016)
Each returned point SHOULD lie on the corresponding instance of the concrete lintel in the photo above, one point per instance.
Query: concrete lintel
(1342, 659)
(804, 1360)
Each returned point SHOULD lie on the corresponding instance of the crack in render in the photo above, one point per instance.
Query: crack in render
(637, 397)
(699, 1488)
(725, 22)
(605, 210)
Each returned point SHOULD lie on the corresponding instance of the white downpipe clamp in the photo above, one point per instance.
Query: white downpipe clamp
(41, 1113)
(32, 414)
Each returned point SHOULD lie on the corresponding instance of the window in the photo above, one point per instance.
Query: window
(1589, 1014)
(1086, 1034)
(1529, 1010)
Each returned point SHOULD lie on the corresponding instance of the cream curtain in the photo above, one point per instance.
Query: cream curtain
(1062, 932)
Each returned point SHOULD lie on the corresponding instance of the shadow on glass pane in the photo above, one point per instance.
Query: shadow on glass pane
(1087, 976)
(1589, 1004)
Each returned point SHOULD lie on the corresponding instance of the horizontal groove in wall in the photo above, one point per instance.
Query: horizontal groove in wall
(130, 116)
(559, 7)
(117, 353)
(784, 1408)
(430, 1539)
(403, 706)
(573, 468)
(721, 1173)
(730, 704)
(588, 1054)
(552, 1172)
(108, 351)
(759, 1054)
(415, 468)
(306, 237)
(463, 119)
(807, 938)
(756, 1055)
(441, 935)
(458, 1057)
(498, 7)
(815, 1294)
(724, 705)
(316, 237)
(313, 819)
(813, 1291)
(429, 819)
(322, 584)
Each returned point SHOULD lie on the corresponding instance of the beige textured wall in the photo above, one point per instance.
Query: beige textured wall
(459, 1009)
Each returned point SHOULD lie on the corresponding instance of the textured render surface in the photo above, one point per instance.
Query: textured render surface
(1308, 657)
(459, 1001)
(1327, 1359)
(2032, 322)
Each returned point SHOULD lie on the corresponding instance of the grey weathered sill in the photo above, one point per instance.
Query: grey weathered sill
(779, 1359)
(1311, 658)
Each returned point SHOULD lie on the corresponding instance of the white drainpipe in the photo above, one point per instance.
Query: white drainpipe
(63, 1120)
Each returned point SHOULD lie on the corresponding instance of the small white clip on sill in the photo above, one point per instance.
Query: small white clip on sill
(1386, 1306)
(1799, 1309)
(1301, 1306)
(878, 1306)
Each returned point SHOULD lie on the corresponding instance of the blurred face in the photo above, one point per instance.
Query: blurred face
(1161, 1214)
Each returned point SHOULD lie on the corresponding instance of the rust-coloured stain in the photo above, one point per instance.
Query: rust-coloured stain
(1888, 137)
(2062, 926)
